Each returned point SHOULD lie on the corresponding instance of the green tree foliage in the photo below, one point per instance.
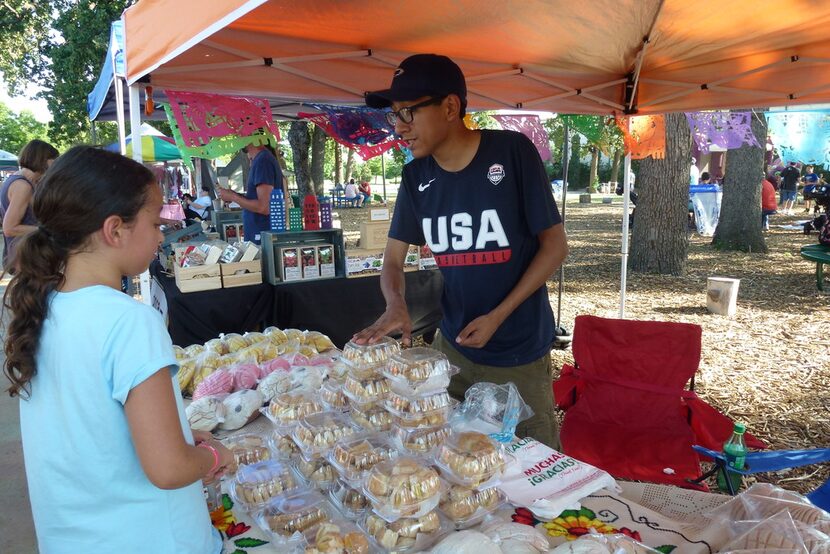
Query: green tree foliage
(59, 45)
(16, 129)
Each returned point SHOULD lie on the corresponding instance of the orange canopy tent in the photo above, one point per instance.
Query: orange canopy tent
(605, 56)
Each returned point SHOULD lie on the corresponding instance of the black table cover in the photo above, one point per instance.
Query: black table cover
(336, 307)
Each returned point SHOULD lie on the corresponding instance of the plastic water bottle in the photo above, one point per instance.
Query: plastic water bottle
(734, 450)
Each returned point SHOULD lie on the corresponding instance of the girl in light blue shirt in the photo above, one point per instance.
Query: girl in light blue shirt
(111, 463)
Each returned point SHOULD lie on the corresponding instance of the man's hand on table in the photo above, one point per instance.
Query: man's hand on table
(395, 318)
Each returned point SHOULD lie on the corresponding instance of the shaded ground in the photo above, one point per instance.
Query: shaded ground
(769, 366)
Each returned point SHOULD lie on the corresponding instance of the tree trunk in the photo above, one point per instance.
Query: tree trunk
(573, 165)
(659, 242)
(338, 164)
(318, 158)
(615, 167)
(739, 226)
(347, 174)
(592, 177)
(300, 140)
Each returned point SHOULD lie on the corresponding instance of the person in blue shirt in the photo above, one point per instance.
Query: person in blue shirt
(811, 181)
(111, 463)
(264, 175)
(482, 202)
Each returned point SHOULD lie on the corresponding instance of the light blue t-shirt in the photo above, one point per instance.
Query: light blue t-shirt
(87, 488)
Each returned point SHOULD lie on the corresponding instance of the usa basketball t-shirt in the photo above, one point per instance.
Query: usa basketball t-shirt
(482, 224)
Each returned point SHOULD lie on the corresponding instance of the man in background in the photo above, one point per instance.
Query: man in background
(789, 187)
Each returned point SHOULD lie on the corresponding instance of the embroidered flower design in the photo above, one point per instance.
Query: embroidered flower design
(524, 516)
(573, 524)
(222, 517)
(236, 529)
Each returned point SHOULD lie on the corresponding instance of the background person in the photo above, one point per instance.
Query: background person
(264, 175)
(811, 181)
(366, 190)
(483, 203)
(352, 193)
(111, 463)
(768, 202)
(16, 195)
(789, 187)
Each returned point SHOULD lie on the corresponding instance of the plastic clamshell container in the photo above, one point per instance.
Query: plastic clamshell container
(256, 484)
(282, 444)
(367, 356)
(419, 441)
(365, 389)
(471, 459)
(317, 433)
(332, 397)
(288, 518)
(419, 370)
(465, 507)
(354, 457)
(372, 417)
(338, 536)
(350, 501)
(420, 411)
(248, 448)
(316, 472)
(286, 409)
(407, 534)
(402, 487)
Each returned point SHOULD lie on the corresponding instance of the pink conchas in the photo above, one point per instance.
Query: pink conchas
(321, 359)
(271, 366)
(245, 376)
(218, 382)
(298, 359)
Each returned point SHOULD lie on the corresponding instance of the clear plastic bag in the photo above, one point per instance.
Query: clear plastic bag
(491, 409)
(515, 536)
(610, 544)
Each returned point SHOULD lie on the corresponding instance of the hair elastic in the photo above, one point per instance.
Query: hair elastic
(215, 465)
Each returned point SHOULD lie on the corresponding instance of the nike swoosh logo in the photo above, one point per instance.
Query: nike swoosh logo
(422, 187)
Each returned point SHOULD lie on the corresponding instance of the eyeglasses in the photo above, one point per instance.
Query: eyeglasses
(407, 114)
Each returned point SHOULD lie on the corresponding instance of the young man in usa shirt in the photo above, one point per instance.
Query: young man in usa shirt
(482, 202)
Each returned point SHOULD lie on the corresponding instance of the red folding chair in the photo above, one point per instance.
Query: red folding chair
(627, 408)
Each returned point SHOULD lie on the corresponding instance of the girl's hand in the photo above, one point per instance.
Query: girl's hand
(226, 461)
(200, 436)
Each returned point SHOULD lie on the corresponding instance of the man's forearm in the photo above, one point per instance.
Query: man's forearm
(252, 205)
(392, 284)
(547, 260)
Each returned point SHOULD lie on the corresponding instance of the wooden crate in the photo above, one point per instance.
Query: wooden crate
(373, 235)
(196, 278)
(252, 275)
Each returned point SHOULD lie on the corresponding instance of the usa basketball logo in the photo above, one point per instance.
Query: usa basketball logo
(495, 173)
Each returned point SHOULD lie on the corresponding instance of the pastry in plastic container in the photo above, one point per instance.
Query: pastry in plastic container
(363, 357)
(256, 484)
(418, 370)
(337, 537)
(217, 345)
(471, 459)
(371, 417)
(286, 409)
(350, 501)
(465, 506)
(332, 397)
(402, 487)
(249, 448)
(354, 457)
(282, 444)
(404, 535)
(288, 517)
(365, 389)
(428, 410)
(275, 335)
(205, 414)
(420, 441)
(317, 472)
(234, 341)
(316, 434)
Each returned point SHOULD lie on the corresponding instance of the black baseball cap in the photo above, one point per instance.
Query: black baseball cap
(421, 75)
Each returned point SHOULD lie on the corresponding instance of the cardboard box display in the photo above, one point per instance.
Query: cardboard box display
(251, 252)
(379, 214)
(231, 254)
(426, 258)
(289, 261)
(373, 234)
(361, 262)
(240, 274)
(308, 260)
(325, 260)
(234, 232)
(199, 277)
